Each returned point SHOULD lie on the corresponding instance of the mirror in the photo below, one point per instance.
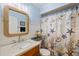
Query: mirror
(16, 22)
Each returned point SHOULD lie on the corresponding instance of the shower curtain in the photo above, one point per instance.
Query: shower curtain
(61, 30)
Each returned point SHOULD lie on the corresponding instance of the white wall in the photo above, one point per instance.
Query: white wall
(34, 15)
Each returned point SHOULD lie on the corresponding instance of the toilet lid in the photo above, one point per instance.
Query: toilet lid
(44, 52)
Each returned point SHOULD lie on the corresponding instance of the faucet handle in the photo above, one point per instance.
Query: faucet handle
(14, 41)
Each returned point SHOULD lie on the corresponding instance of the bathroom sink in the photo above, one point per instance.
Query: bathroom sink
(25, 44)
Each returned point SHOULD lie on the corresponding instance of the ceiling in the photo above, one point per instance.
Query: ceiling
(39, 5)
(46, 6)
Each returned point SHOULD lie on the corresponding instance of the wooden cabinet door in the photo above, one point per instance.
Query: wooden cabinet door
(33, 52)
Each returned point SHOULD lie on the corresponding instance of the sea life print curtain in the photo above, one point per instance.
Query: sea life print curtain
(61, 31)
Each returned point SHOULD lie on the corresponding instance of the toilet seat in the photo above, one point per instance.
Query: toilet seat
(44, 52)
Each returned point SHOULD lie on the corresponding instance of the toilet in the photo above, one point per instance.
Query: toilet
(44, 52)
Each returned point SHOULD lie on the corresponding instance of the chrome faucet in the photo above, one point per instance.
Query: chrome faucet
(19, 39)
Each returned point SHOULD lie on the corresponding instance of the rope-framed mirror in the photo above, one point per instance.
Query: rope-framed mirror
(16, 22)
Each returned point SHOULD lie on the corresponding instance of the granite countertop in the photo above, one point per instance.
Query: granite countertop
(18, 48)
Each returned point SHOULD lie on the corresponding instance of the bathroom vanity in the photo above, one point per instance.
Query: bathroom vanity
(16, 23)
(25, 48)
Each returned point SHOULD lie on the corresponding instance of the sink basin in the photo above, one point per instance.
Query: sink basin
(25, 44)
